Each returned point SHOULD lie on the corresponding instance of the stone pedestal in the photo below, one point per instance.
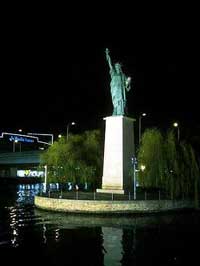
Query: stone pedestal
(118, 151)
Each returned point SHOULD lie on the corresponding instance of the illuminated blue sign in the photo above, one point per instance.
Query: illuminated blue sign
(21, 139)
(24, 138)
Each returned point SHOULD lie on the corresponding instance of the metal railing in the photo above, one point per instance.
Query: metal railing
(81, 195)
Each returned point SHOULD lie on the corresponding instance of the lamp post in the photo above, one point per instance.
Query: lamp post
(45, 178)
(134, 163)
(68, 125)
(140, 126)
(14, 145)
(178, 130)
(14, 142)
(20, 146)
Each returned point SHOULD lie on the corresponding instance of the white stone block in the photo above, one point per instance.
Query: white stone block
(118, 151)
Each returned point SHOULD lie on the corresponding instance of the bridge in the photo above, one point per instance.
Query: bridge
(12, 162)
(19, 158)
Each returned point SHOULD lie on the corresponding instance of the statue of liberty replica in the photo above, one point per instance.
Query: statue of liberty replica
(119, 85)
(119, 136)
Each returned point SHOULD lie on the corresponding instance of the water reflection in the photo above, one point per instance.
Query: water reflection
(14, 227)
(112, 243)
(48, 238)
(26, 192)
(44, 229)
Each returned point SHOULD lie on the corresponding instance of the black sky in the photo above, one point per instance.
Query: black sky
(53, 69)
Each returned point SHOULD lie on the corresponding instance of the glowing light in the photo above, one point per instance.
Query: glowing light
(175, 124)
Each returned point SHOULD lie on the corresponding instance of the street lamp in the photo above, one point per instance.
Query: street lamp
(45, 179)
(134, 163)
(68, 125)
(178, 130)
(14, 141)
(20, 146)
(140, 122)
(14, 145)
(60, 136)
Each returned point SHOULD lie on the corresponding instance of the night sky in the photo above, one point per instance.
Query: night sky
(54, 71)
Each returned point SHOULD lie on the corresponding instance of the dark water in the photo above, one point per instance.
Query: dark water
(29, 236)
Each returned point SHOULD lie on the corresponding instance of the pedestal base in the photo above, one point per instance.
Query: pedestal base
(118, 152)
(111, 191)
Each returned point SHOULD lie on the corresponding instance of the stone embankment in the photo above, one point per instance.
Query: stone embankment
(109, 207)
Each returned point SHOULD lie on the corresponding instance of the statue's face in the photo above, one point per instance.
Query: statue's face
(118, 67)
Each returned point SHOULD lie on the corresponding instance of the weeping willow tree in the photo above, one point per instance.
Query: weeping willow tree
(182, 168)
(191, 172)
(165, 163)
(185, 166)
(151, 159)
(172, 172)
(76, 159)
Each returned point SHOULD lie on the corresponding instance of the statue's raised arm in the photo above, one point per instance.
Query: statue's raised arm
(119, 85)
(108, 58)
